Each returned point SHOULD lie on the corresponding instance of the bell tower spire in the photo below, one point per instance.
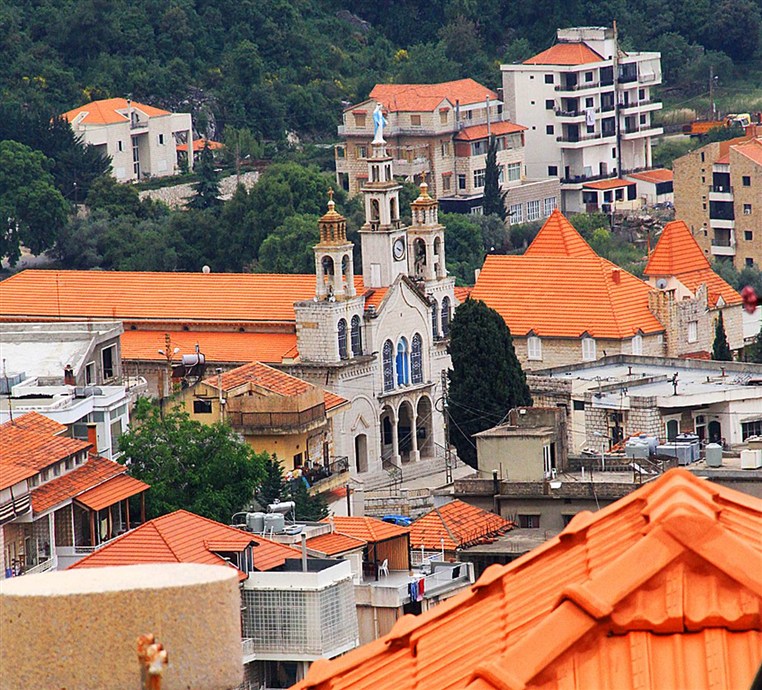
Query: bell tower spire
(426, 247)
(334, 257)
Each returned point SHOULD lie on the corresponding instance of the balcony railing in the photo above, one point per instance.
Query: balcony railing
(578, 87)
(721, 188)
(585, 137)
(723, 242)
(248, 649)
(575, 113)
(575, 179)
(276, 420)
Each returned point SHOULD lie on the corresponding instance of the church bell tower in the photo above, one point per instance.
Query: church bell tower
(334, 257)
(425, 239)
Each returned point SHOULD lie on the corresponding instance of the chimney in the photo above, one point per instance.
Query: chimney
(69, 379)
(92, 438)
(616, 275)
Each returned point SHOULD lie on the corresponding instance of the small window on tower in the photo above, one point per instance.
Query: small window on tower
(359, 120)
(415, 120)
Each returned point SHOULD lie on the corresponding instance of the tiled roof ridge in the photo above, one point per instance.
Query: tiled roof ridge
(145, 527)
(608, 268)
(456, 539)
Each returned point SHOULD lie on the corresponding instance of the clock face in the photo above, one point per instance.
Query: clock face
(398, 249)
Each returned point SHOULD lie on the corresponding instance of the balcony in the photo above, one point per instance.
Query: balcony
(578, 87)
(410, 167)
(724, 244)
(569, 114)
(248, 650)
(723, 223)
(580, 179)
(276, 422)
(583, 139)
(644, 131)
(721, 193)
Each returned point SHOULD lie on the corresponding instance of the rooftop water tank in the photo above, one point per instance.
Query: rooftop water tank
(275, 522)
(636, 448)
(256, 522)
(751, 459)
(714, 455)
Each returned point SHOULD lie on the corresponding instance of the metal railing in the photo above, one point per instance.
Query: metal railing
(45, 566)
(721, 188)
(578, 87)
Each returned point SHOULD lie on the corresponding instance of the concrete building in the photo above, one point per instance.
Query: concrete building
(718, 193)
(588, 107)
(440, 133)
(140, 140)
(654, 187)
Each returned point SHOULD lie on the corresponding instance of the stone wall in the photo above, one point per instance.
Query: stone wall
(177, 195)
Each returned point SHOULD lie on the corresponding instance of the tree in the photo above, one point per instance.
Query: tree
(494, 199)
(465, 250)
(289, 248)
(720, 348)
(480, 342)
(32, 210)
(270, 489)
(206, 469)
(207, 189)
(308, 507)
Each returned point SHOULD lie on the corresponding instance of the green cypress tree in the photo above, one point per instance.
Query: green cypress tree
(494, 199)
(720, 348)
(272, 487)
(486, 379)
(207, 189)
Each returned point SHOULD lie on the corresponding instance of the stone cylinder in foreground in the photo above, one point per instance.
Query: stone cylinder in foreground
(79, 628)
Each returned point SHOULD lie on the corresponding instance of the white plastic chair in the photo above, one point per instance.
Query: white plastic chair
(383, 569)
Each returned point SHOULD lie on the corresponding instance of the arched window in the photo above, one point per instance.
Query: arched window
(445, 316)
(416, 359)
(343, 339)
(403, 363)
(327, 263)
(356, 336)
(388, 365)
(435, 320)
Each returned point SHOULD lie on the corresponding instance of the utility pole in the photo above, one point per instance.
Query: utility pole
(446, 413)
(617, 127)
(713, 114)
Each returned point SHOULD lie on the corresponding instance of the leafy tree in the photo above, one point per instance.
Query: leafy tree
(289, 248)
(203, 468)
(734, 29)
(494, 199)
(480, 342)
(753, 352)
(522, 234)
(308, 507)
(32, 210)
(720, 348)
(207, 189)
(464, 246)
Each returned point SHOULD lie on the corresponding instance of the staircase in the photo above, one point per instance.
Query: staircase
(393, 476)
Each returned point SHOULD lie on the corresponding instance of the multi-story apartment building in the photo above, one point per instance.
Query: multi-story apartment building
(588, 107)
(718, 193)
(140, 139)
(441, 132)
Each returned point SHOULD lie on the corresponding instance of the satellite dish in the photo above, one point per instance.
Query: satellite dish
(206, 269)
(661, 283)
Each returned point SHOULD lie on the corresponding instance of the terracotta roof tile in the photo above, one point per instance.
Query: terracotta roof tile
(335, 543)
(482, 131)
(603, 185)
(558, 237)
(462, 293)
(269, 554)
(332, 401)
(427, 97)
(662, 589)
(656, 175)
(106, 112)
(36, 449)
(11, 474)
(70, 485)
(262, 376)
(454, 525)
(367, 528)
(678, 254)
(751, 149)
(111, 492)
(200, 144)
(34, 421)
(565, 54)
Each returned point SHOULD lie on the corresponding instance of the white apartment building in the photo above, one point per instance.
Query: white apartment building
(588, 107)
(140, 139)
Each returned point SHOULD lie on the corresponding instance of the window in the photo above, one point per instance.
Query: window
(479, 177)
(461, 181)
(435, 320)
(746, 181)
(479, 148)
(552, 171)
(588, 76)
(416, 359)
(643, 119)
(107, 359)
(613, 153)
(514, 171)
(548, 78)
(160, 139)
(578, 405)
(548, 205)
(446, 183)
(516, 213)
(753, 428)
(533, 210)
(749, 261)
(356, 336)
(549, 104)
(534, 347)
(359, 119)
(692, 331)
(202, 406)
(589, 103)
(549, 129)
(120, 145)
(588, 349)
(641, 94)
(69, 463)
(445, 149)
(637, 344)
(403, 362)
(747, 209)
(445, 320)
(529, 521)
(748, 235)
(388, 365)
(362, 151)
(45, 475)
(90, 373)
(590, 129)
(477, 211)
(415, 120)
(342, 332)
(443, 117)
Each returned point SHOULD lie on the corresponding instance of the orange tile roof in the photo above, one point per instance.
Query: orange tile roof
(111, 492)
(426, 97)
(34, 421)
(752, 149)
(565, 54)
(603, 185)
(332, 401)
(184, 537)
(678, 254)
(367, 528)
(482, 131)
(656, 175)
(373, 296)
(559, 296)
(462, 293)
(11, 474)
(558, 237)
(217, 346)
(35, 449)
(335, 543)
(724, 160)
(454, 525)
(70, 485)
(200, 144)
(106, 112)
(262, 376)
(661, 589)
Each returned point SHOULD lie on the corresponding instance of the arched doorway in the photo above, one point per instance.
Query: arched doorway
(405, 431)
(389, 447)
(361, 453)
(715, 431)
(424, 427)
(672, 429)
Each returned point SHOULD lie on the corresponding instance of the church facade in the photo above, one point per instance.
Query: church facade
(380, 339)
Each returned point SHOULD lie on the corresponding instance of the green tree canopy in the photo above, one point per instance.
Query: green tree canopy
(207, 189)
(205, 469)
(480, 342)
(32, 210)
(289, 248)
(494, 199)
(464, 246)
(720, 348)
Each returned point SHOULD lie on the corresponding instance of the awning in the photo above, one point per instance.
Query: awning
(111, 492)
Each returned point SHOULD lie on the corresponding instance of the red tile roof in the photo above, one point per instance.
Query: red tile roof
(335, 543)
(482, 131)
(462, 293)
(558, 237)
(751, 149)
(70, 485)
(367, 528)
(261, 376)
(11, 474)
(656, 175)
(565, 54)
(678, 254)
(34, 421)
(427, 97)
(106, 112)
(217, 346)
(35, 449)
(332, 401)
(662, 589)
(111, 492)
(200, 144)
(454, 525)
(603, 185)
(183, 537)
